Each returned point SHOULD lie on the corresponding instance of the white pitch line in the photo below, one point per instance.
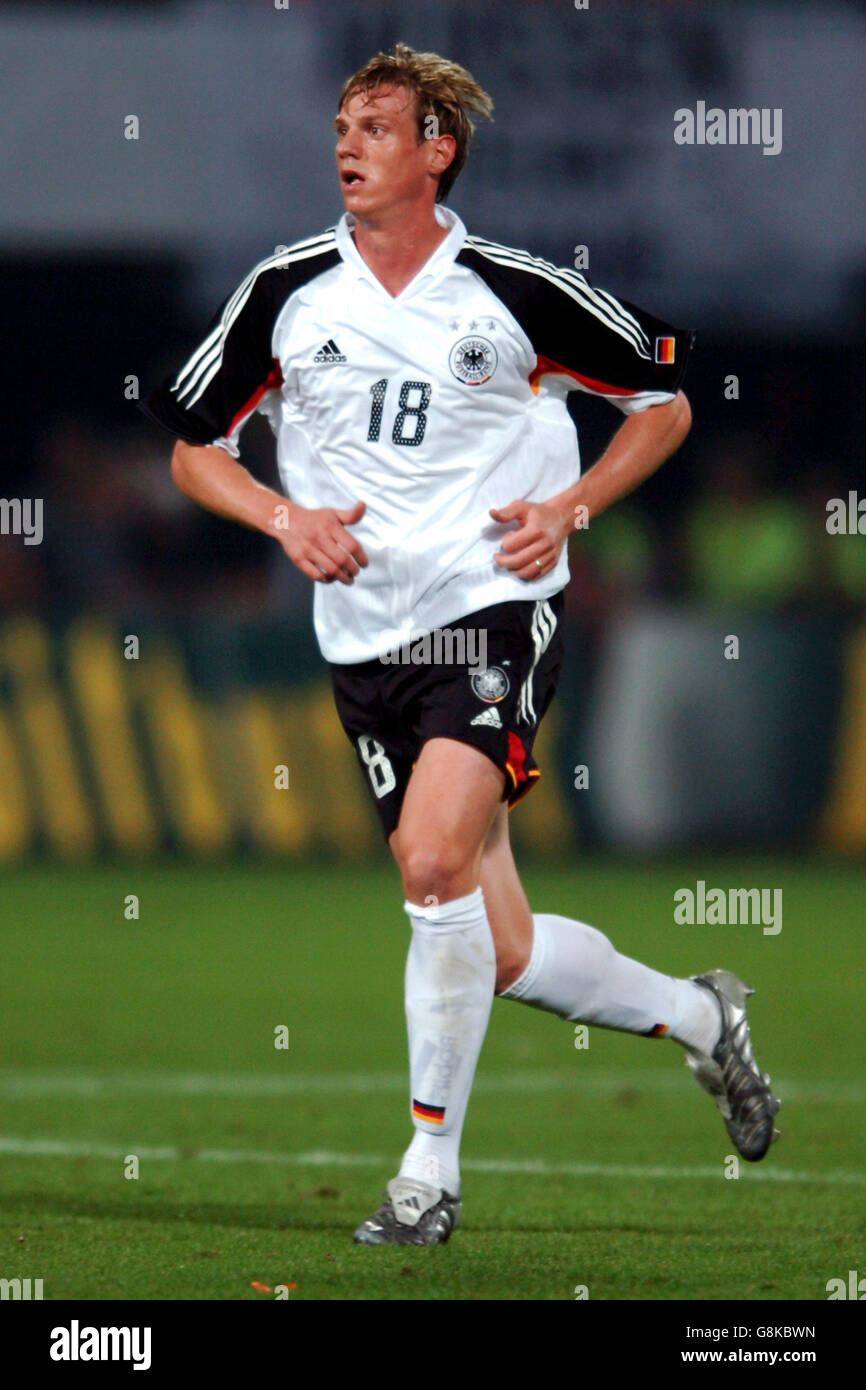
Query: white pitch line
(61, 1148)
(579, 1080)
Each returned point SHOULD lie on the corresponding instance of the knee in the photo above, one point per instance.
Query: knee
(510, 965)
(440, 870)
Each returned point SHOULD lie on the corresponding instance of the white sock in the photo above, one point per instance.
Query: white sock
(575, 972)
(450, 980)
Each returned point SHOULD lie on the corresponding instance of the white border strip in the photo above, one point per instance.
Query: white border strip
(26, 1083)
(62, 1148)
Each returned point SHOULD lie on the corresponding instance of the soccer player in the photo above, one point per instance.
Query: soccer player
(415, 379)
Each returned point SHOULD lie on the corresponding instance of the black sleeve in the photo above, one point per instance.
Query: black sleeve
(584, 337)
(215, 392)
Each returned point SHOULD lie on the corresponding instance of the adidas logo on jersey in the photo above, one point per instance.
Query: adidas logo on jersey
(329, 352)
(489, 716)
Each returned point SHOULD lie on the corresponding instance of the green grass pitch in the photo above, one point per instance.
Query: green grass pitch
(602, 1167)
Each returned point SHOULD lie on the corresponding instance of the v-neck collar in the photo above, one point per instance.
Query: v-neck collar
(445, 252)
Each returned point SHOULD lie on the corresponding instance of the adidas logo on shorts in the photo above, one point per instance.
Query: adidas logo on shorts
(489, 716)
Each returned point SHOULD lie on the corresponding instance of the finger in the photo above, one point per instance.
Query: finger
(513, 512)
(345, 564)
(329, 568)
(349, 515)
(352, 545)
(525, 559)
(528, 538)
(309, 569)
(519, 540)
(534, 571)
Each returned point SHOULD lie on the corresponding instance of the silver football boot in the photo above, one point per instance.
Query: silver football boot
(731, 1074)
(413, 1213)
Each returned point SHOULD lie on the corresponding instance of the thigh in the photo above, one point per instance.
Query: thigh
(449, 806)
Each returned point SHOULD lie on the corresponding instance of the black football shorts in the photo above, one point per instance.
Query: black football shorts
(486, 680)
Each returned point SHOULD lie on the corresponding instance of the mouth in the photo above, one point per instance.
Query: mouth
(351, 179)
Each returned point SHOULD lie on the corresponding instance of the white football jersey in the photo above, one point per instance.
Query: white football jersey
(431, 407)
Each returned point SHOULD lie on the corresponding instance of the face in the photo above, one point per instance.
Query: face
(381, 162)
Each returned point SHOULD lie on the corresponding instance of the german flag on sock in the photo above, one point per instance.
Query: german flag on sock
(433, 1114)
(658, 1031)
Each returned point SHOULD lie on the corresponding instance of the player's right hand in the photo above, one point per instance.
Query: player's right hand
(316, 540)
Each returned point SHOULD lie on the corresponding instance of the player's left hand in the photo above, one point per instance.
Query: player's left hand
(533, 549)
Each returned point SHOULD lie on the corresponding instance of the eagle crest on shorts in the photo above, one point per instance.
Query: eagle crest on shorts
(491, 685)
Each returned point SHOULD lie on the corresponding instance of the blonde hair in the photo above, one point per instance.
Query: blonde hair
(441, 89)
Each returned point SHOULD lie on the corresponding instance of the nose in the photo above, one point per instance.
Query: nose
(348, 145)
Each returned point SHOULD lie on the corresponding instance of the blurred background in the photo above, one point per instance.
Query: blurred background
(157, 665)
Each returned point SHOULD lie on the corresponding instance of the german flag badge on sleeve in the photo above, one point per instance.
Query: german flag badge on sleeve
(666, 350)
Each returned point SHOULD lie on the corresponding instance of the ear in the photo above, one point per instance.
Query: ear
(443, 150)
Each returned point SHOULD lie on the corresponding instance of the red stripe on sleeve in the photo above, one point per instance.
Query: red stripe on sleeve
(546, 365)
(273, 379)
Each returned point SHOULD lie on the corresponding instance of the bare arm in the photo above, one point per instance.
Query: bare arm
(211, 477)
(314, 539)
(640, 445)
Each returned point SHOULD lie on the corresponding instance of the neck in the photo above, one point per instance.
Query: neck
(395, 249)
